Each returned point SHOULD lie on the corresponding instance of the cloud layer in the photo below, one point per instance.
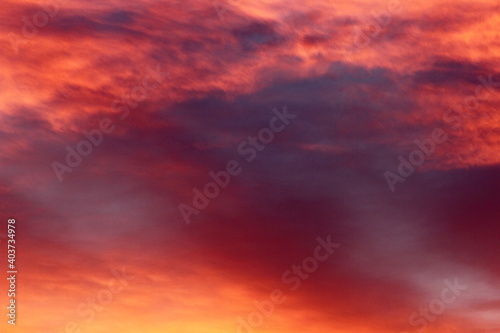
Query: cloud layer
(182, 84)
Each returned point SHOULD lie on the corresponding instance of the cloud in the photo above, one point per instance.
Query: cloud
(322, 175)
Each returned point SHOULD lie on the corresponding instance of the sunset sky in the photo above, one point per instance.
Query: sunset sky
(370, 124)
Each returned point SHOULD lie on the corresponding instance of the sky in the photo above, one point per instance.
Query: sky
(251, 166)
